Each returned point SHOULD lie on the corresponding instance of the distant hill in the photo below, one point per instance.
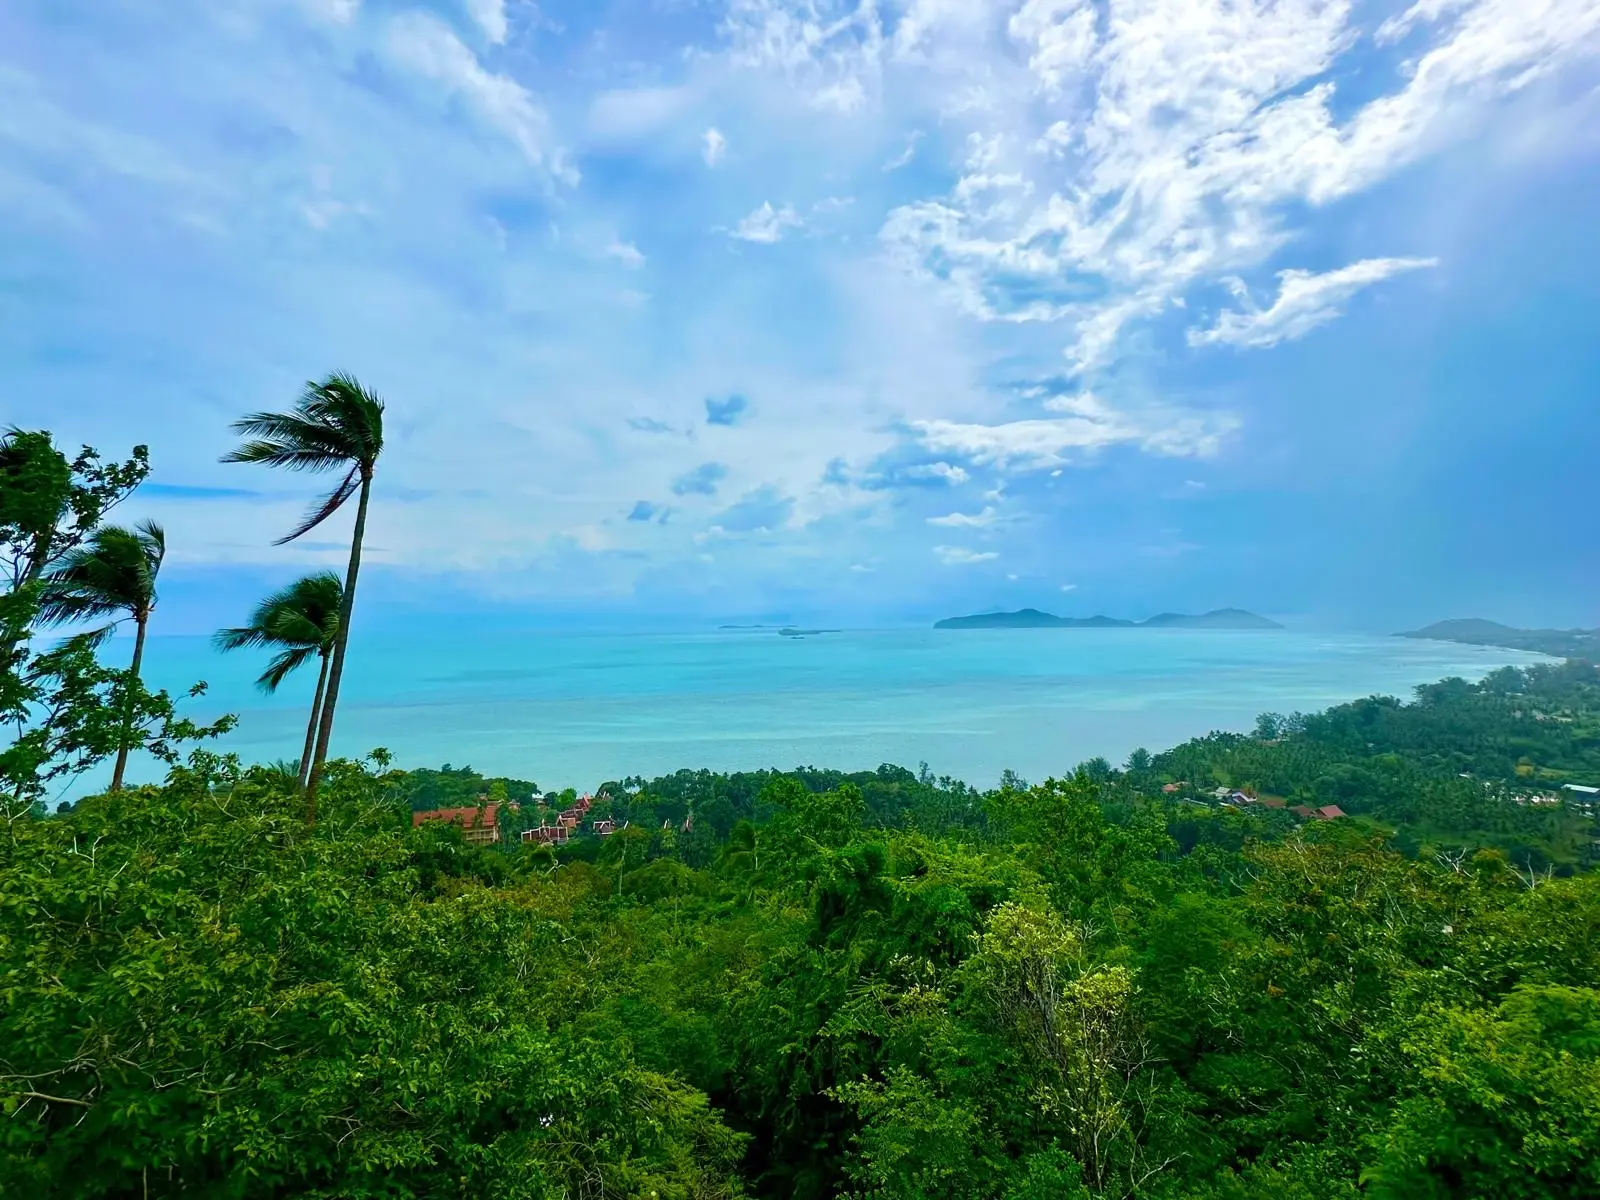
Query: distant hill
(1032, 618)
(1474, 631)
(1221, 618)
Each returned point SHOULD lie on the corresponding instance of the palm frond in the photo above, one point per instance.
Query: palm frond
(288, 455)
(243, 637)
(113, 573)
(282, 665)
(307, 426)
(303, 614)
(343, 401)
(73, 608)
(330, 504)
(92, 640)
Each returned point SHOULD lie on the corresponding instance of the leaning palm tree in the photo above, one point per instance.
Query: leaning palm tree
(337, 425)
(301, 622)
(112, 575)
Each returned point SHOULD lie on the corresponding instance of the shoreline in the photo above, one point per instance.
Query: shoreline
(747, 704)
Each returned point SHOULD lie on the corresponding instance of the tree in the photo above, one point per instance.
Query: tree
(1502, 1103)
(112, 575)
(337, 425)
(301, 621)
(1077, 1025)
(48, 506)
(79, 712)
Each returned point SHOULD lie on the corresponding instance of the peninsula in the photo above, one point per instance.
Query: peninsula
(1474, 631)
(1032, 618)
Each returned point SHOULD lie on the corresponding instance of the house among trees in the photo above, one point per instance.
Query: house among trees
(1328, 812)
(480, 826)
(605, 828)
(546, 835)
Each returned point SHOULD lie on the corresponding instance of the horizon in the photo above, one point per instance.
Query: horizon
(1014, 313)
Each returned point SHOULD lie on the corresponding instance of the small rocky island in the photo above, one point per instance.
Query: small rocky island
(1032, 618)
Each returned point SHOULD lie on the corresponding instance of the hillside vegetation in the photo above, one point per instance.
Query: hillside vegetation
(879, 985)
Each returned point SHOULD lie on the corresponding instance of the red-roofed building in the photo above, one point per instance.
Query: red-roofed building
(1330, 812)
(546, 835)
(479, 826)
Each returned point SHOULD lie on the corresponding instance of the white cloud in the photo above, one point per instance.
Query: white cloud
(714, 147)
(1069, 587)
(1305, 301)
(1201, 131)
(905, 156)
(428, 47)
(626, 253)
(767, 224)
(958, 520)
(830, 50)
(1060, 36)
(1080, 404)
(960, 556)
(1095, 188)
(491, 18)
(942, 472)
(1051, 441)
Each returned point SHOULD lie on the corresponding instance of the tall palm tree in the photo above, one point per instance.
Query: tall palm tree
(112, 575)
(337, 425)
(301, 622)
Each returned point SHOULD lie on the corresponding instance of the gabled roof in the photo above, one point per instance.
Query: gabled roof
(1329, 811)
(467, 818)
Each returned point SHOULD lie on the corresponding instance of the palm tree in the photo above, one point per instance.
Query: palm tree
(337, 425)
(113, 575)
(301, 622)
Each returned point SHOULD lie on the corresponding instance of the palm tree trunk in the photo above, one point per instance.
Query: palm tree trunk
(330, 698)
(142, 621)
(316, 715)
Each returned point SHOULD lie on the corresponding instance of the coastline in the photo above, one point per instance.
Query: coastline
(573, 710)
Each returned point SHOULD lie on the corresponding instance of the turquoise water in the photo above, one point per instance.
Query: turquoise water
(577, 709)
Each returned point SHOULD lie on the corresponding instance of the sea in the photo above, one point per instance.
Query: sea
(577, 709)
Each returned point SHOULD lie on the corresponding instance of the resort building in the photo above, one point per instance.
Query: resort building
(480, 826)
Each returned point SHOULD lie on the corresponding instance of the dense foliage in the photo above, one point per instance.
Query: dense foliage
(881, 985)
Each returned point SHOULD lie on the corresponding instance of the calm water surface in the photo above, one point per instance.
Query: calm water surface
(577, 709)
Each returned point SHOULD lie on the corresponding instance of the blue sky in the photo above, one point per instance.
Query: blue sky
(715, 309)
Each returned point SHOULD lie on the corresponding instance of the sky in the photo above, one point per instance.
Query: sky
(865, 310)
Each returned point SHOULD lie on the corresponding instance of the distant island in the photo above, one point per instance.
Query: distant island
(1032, 618)
(1474, 631)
